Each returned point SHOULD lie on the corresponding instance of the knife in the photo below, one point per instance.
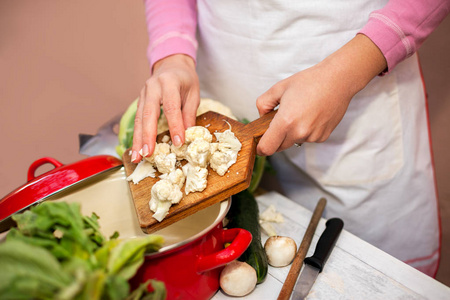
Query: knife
(313, 265)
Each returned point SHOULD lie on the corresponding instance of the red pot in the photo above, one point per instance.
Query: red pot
(191, 268)
(38, 188)
(193, 254)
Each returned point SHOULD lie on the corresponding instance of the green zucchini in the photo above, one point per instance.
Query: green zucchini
(244, 213)
(258, 171)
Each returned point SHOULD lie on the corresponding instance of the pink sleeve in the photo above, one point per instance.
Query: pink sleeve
(401, 27)
(171, 26)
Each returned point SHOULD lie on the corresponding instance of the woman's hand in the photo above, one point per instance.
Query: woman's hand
(314, 101)
(173, 85)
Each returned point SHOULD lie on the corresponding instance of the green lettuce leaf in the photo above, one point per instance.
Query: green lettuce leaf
(159, 291)
(128, 256)
(126, 128)
(28, 271)
(56, 253)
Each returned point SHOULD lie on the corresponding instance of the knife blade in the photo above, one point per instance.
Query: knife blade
(314, 264)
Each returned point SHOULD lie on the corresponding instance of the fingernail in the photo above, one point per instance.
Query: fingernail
(145, 150)
(177, 141)
(133, 156)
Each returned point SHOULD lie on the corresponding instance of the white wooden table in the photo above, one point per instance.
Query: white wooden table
(354, 270)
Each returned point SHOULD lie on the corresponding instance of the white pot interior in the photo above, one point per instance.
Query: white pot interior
(108, 195)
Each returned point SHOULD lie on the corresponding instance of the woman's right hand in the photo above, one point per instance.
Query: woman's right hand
(173, 85)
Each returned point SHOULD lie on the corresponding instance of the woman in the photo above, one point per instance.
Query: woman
(365, 137)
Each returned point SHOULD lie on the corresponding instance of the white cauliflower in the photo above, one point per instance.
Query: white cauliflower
(268, 217)
(268, 228)
(271, 215)
(196, 178)
(160, 209)
(165, 163)
(228, 141)
(227, 151)
(213, 105)
(165, 190)
(164, 193)
(177, 177)
(213, 147)
(198, 153)
(165, 139)
(180, 151)
(219, 162)
(160, 149)
(205, 106)
(197, 132)
(143, 169)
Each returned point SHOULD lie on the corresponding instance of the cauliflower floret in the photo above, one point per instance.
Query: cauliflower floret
(165, 190)
(177, 177)
(213, 105)
(268, 228)
(164, 193)
(219, 162)
(160, 149)
(205, 106)
(198, 153)
(271, 215)
(180, 151)
(227, 150)
(213, 147)
(165, 139)
(166, 163)
(143, 169)
(228, 141)
(196, 178)
(161, 209)
(197, 132)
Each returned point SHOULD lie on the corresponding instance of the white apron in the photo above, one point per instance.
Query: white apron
(375, 169)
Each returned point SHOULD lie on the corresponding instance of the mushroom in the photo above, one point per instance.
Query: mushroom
(280, 250)
(238, 278)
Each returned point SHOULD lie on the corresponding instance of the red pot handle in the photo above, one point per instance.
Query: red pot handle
(239, 238)
(41, 162)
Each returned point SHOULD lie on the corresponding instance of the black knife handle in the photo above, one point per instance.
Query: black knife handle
(325, 244)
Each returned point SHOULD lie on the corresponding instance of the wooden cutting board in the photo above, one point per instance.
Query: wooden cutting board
(219, 187)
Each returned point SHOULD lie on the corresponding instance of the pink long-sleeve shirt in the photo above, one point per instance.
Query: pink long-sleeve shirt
(398, 29)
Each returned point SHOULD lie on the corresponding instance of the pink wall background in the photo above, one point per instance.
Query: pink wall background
(67, 67)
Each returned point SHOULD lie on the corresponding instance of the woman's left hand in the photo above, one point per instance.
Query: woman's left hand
(313, 102)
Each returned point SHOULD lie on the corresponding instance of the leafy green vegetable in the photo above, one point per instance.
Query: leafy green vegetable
(126, 128)
(159, 292)
(126, 258)
(56, 253)
(27, 268)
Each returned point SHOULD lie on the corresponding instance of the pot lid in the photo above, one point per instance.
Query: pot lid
(62, 176)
